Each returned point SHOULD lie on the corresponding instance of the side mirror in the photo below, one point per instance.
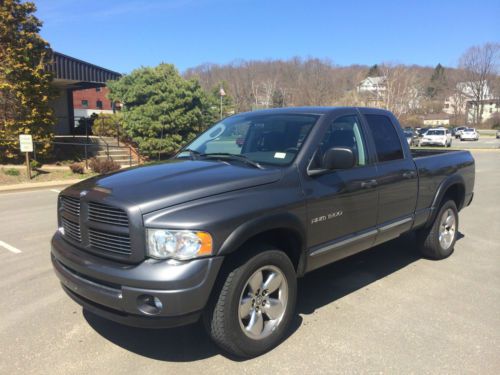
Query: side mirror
(338, 158)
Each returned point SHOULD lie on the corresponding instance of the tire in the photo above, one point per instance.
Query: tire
(240, 336)
(437, 241)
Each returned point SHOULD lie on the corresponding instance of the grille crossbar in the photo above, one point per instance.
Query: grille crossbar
(100, 241)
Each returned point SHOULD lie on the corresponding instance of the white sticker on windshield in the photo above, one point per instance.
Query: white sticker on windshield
(280, 155)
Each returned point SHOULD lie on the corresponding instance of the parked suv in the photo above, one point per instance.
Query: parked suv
(222, 232)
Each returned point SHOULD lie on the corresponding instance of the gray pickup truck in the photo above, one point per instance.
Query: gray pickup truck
(223, 230)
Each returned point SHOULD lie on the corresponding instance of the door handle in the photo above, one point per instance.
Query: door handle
(369, 184)
(409, 174)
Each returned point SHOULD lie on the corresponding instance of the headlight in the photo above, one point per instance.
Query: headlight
(178, 244)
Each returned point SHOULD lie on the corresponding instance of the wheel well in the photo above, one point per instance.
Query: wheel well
(287, 240)
(455, 192)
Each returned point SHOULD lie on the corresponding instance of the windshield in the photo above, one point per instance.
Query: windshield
(268, 139)
(469, 130)
(435, 132)
(409, 133)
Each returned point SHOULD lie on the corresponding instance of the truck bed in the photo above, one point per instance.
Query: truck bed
(420, 153)
(436, 166)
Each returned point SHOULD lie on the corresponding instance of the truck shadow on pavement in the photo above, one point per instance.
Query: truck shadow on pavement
(317, 289)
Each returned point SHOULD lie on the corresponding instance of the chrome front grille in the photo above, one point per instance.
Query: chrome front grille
(103, 213)
(71, 205)
(71, 230)
(114, 243)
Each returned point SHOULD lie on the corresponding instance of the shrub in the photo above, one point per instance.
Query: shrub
(12, 172)
(108, 125)
(77, 168)
(35, 164)
(103, 166)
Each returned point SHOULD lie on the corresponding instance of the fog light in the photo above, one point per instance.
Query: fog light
(149, 305)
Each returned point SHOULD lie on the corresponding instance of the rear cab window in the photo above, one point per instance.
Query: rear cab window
(386, 138)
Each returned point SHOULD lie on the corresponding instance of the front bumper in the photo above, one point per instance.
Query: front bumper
(432, 143)
(114, 290)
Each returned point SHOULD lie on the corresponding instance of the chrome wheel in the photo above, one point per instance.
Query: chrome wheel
(447, 229)
(263, 302)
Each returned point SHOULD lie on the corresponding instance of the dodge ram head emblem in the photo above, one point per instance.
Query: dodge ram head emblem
(83, 193)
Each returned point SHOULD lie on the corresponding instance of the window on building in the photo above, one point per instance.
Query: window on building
(85, 103)
(98, 104)
(387, 143)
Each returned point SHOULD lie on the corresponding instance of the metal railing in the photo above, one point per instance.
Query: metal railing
(73, 151)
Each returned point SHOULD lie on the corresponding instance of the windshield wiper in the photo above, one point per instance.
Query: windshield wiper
(226, 155)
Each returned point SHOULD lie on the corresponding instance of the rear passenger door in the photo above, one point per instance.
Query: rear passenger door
(396, 176)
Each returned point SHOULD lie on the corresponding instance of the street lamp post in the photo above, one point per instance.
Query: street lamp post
(221, 94)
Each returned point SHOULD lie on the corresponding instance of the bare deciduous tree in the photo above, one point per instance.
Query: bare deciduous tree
(403, 92)
(480, 64)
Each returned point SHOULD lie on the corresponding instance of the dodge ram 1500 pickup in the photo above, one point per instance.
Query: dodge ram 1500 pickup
(223, 230)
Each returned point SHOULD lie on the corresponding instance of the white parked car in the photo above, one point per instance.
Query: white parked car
(469, 134)
(436, 137)
(459, 131)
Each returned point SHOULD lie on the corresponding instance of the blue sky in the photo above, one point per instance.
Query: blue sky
(124, 34)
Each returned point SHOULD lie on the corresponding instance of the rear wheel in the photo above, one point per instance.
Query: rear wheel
(438, 241)
(255, 306)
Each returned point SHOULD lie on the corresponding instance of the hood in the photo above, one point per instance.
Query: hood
(162, 185)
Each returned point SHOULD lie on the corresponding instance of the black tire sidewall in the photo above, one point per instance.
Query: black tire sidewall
(247, 345)
(447, 205)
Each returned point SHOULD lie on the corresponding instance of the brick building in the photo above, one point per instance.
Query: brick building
(93, 100)
(82, 91)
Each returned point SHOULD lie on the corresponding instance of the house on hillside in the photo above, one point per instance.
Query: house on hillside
(437, 119)
(491, 107)
(462, 102)
(373, 89)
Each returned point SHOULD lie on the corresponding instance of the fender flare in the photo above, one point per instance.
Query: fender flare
(450, 181)
(262, 224)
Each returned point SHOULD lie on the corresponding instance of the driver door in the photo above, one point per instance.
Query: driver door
(342, 204)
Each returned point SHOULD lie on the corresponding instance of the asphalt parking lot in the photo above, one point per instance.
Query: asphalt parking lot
(484, 142)
(383, 311)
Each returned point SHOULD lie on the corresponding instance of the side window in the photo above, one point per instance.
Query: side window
(387, 142)
(344, 132)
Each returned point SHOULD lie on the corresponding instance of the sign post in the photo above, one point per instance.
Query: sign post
(26, 145)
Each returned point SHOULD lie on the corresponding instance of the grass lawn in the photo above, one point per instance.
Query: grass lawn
(40, 175)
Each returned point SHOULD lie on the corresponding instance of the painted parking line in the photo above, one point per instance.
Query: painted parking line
(55, 190)
(11, 248)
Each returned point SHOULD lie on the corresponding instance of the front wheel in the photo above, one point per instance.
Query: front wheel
(255, 306)
(438, 241)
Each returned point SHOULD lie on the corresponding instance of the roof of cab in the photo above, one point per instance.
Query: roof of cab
(312, 110)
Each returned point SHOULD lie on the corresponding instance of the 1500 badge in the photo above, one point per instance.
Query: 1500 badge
(331, 215)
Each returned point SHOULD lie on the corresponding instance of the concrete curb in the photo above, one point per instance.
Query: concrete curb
(37, 185)
(44, 167)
